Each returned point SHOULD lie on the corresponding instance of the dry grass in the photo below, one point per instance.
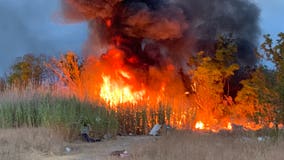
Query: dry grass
(43, 144)
(200, 146)
(28, 143)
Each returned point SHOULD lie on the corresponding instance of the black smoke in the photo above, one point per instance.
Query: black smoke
(158, 31)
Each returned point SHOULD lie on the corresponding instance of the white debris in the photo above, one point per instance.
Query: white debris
(67, 149)
(154, 131)
(261, 139)
(124, 154)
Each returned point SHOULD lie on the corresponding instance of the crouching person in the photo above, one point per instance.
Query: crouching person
(85, 132)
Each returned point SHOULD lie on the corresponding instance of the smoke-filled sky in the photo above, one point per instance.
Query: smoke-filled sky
(30, 26)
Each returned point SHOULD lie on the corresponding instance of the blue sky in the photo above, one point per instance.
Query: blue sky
(272, 15)
(29, 26)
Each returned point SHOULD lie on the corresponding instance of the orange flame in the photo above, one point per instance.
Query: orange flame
(119, 83)
(114, 93)
(229, 126)
(199, 125)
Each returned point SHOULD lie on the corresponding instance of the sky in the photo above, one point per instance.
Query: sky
(30, 26)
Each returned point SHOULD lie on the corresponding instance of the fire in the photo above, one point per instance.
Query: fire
(199, 125)
(114, 93)
(144, 54)
(229, 126)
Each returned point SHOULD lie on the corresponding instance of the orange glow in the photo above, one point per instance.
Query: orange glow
(229, 126)
(110, 79)
(125, 74)
(199, 125)
(114, 93)
(108, 23)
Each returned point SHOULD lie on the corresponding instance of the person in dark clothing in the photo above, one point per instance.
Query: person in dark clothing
(85, 130)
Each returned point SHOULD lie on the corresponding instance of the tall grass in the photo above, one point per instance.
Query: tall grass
(139, 119)
(66, 114)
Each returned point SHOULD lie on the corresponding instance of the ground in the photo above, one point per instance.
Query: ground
(102, 150)
(44, 144)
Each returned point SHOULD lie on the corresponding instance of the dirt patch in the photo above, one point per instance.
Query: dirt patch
(102, 150)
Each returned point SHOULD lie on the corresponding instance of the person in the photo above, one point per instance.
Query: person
(85, 130)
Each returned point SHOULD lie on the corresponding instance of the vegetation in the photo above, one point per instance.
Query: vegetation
(210, 73)
(67, 115)
(29, 143)
(28, 69)
(260, 96)
(186, 145)
(265, 89)
(62, 114)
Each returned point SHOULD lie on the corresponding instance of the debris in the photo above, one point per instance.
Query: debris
(120, 153)
(67, 149)
(154, 131)
(262, 139)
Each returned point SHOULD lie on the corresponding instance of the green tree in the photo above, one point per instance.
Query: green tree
(28, 69)
(275, 54)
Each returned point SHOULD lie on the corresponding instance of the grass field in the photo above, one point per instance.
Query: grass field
(201, 146)
(28, 143)
(44, 144)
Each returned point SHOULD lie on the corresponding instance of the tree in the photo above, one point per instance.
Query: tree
(2, 84)
(28, 69)
(210, 73)
(68, 69)
(265, 89)
(255, 99)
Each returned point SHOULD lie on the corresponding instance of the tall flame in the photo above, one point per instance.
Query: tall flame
(115, 93)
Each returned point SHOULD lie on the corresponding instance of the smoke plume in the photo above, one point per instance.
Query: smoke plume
(160, 31)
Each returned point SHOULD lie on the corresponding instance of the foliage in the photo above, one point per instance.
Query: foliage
(264, 91)
(275, 54)
(255, 97)
(68, 70)
(209, 74)
(28, 69)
